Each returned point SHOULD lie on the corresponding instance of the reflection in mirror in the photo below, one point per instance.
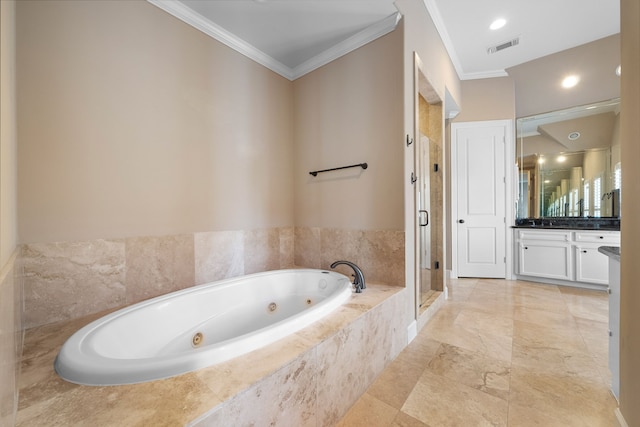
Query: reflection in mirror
(569, 162)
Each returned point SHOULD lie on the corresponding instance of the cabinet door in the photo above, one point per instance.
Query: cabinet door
(545, 259)
(591, 265)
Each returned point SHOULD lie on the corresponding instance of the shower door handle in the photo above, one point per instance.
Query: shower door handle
(426, 217)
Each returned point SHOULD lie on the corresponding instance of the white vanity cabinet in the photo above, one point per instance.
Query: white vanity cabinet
(591, 265)
(568, 257)
(545, 253)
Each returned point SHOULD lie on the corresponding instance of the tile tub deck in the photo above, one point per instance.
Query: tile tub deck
(309, 378)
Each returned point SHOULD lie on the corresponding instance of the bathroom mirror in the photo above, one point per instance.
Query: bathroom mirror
(569, 162)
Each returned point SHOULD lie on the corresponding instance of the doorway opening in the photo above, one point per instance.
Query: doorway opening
(429, 189)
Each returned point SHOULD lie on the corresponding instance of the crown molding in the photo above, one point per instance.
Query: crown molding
(433, 10)
(188, 16)
(359, 39)
(484, 75)
(197, 21)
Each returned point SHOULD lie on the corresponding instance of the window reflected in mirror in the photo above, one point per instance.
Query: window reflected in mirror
(569, 163)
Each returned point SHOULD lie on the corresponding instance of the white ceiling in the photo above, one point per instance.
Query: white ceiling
(293, 32)
(544, 27)
(292, 37)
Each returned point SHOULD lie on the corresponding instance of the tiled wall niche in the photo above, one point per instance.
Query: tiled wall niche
(67, 280)
(11, 339)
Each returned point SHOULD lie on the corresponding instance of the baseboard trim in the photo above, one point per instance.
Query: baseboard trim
(412, 331)
(620, 418)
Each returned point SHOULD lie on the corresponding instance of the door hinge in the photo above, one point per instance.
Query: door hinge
(435, 167)
(505, 260)
(436, 265)
(409, 140)
(414, 178)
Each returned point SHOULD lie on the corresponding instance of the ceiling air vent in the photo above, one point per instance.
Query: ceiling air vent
(504, 45)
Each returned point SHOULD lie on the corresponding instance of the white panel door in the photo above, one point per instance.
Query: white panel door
(481, 193)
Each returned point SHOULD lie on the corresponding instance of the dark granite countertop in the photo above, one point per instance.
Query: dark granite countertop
(612, 252)
(567, 227)
(566, 223)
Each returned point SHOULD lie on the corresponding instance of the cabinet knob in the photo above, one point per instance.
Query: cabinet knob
(602, 237)
(584, 252)
(461, 221)
(526, 247)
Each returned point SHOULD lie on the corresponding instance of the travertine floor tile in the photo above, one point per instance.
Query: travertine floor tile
(587, 304)
(505, 353)
(467, 335)
(367, 412)
(560, 336)
(395, 383)
(482, 322)
(472, 369)
(575, 400)
(542, 317)
(404, 420)
(438, 401)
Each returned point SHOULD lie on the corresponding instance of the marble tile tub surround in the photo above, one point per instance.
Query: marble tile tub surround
(380, 253)
(310, 378)
(68, 280)
(11, 339)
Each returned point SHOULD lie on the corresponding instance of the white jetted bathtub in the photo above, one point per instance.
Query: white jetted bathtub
(199, 326)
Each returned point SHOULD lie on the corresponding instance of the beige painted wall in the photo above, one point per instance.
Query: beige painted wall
(8, 133)
(630, 268)
(487, 99)
(348, 112)
(133, 123)
(422, 38)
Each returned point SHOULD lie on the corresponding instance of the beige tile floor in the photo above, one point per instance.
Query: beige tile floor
(500, 353)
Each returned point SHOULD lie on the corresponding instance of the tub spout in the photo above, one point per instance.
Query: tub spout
(358, 282)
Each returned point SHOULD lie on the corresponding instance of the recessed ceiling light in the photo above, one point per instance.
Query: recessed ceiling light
(618, 70)
(570, 81)
(497, 24)
(561, 159)
(541, 160)
(573, 136)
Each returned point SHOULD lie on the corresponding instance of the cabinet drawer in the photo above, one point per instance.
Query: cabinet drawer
(598, 237)
(546, 235)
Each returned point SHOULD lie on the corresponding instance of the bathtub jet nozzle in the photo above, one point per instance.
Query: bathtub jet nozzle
(197, 339)
(358, 280)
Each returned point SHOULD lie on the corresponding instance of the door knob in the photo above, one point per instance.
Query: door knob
(461, 221)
